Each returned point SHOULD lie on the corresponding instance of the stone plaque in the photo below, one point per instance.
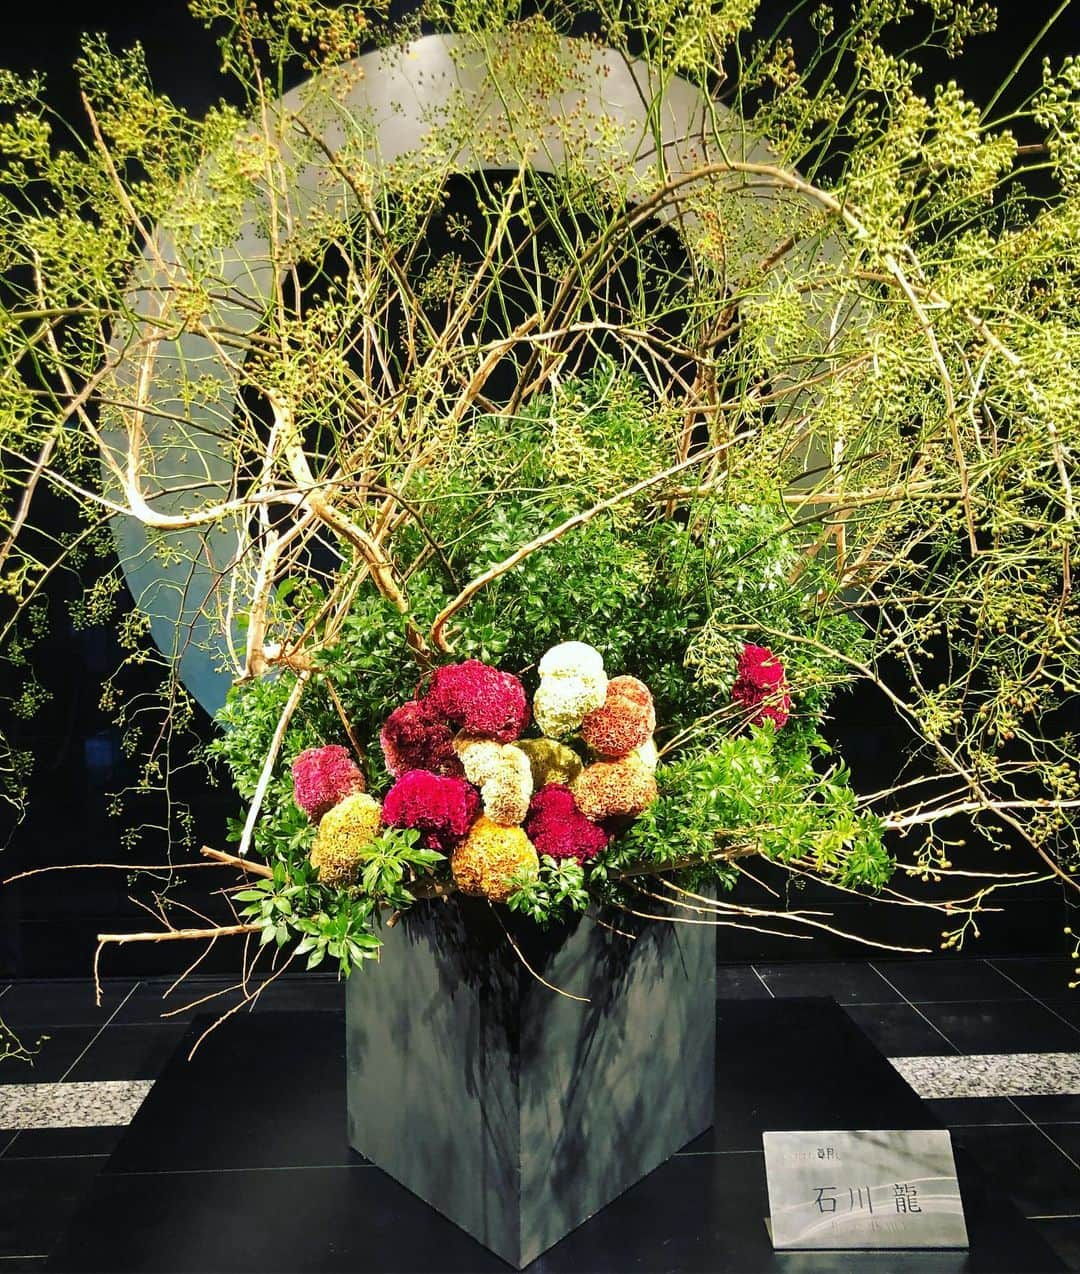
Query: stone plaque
(864, 1189)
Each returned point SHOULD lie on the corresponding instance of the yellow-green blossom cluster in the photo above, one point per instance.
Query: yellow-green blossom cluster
(551, 761)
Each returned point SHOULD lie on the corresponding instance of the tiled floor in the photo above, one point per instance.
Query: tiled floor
(1008, 1030)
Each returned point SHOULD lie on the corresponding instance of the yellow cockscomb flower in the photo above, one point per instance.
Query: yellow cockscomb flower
(486, 859)
(343, 837)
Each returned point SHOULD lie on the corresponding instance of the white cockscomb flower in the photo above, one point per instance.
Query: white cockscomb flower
(560, 704)
(573, 659)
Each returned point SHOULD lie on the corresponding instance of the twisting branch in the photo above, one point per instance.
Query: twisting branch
(549, 537)
(291, 704)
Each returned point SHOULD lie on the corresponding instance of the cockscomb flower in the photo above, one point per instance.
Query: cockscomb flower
(551, 761)
(343, 837)
(557, 827)
(573, 659)
(623, 722)
(480, 758)
(479, 699)
(561, 703)
(322, 777)
(415, 738)
(647, 755)
(486, 859)
(761, 686)
(503, 775)
(614, 789)
(627, 690)
(440, 806)
(506, 794)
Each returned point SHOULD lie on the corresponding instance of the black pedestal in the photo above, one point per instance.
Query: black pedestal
(514, 1109)
(238, 1162)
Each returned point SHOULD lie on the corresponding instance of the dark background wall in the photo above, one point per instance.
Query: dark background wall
(49, 921)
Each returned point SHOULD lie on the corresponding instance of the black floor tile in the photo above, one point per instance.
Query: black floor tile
(129, 1052)
(1067, 1136)
(692, 1214)
(52, 1143)
(898, 1030)
(1058, 1108)
(1046, 979)
(958, 1112)
(53, 1058)
(21, 1263)
(51, 1002)
(39, 1197)
(304, 994)
(853, 982)
(756, 1087)
(779, 1064)
(739, 982)
(1025, 1165)
(300, 992)
(286, 1080)
(1019, 1026)
(1063, 1235)
(1069, 1009)
(927, 981)
(147, 1005)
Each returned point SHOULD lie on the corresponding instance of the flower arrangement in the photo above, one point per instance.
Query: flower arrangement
(512, 799)
(639, 423)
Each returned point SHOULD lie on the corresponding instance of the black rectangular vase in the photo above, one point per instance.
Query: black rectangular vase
(515, 1111)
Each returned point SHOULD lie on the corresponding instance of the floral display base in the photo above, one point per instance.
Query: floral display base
(516, 1111)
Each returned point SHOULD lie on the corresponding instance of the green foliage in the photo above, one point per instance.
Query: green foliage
(558, 891)
(839, 419)
(292, 907)
(748, 794)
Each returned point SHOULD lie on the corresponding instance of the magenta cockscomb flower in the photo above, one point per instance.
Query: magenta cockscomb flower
(761, 686)
(440, 807)
(479, 699)
(416, 738)
(324, 776)
(557, 827)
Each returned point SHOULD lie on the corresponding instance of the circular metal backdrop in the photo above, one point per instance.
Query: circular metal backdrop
(394, 100)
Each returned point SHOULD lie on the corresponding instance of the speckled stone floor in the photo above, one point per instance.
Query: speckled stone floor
(993, 1046)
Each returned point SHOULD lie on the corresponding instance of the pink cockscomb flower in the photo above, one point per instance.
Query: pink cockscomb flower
(481, 700)
(557, 827)
(324, 776)
(761, 687)
(441, 807)
(415, 738)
